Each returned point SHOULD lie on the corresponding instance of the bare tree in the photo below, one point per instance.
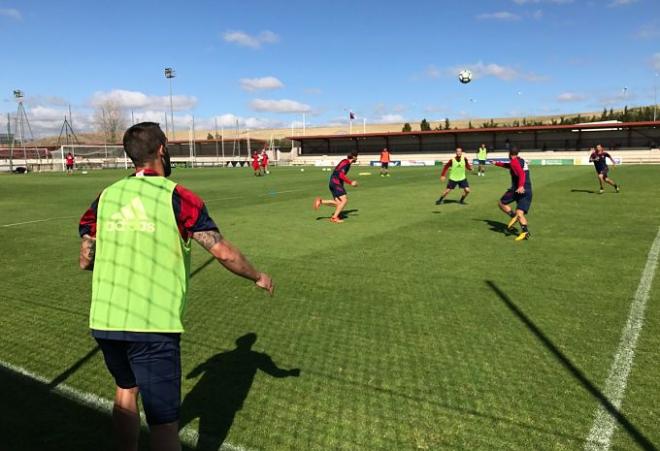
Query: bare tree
(110, 119)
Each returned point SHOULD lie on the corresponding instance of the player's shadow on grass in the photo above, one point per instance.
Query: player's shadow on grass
(343, 215)
(226, 379)
(497, 226)
(588, 191)
(574, 371)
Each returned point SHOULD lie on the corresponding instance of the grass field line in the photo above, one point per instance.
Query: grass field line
(600, 436)
(37, 220)
(188, 435)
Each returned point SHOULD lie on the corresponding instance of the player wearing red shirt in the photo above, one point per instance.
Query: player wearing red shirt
(70, 160)
(264, 162)
(519, 192)
(255, 163)
(599, 158)
(337, 180)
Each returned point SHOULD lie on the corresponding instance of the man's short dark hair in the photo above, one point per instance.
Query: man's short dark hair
(514, 151)
(353, 154)
(142, 141)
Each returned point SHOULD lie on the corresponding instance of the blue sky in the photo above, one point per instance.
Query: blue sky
(264, 63)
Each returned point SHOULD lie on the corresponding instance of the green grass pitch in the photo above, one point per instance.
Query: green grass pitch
(413, 326)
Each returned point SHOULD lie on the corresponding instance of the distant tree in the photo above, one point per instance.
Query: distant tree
(424, 125)
(209, 137)
(447, 125)
(603, 115)
(470, 124)
(406, 127)
(516, 123)
(611, 116)
(110, 119)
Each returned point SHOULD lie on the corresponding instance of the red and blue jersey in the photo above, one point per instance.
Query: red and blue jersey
(519, 170)
(600, 160)
(189, 210)
(338, 176)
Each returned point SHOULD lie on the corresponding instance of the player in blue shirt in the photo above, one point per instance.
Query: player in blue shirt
(599, 158)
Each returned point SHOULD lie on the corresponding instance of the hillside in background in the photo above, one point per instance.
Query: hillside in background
(625, 114)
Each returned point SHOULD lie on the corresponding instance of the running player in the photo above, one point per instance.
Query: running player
(264, 162)
(337, 180)
(255, 163)
(385, 162)
(599, 158)
(482, 155)
(520, 192)
(456, 167)
(70, 160)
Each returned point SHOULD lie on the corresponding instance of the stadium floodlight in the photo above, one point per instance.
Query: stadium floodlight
(170, 74)
(655, 97)
(18, 94)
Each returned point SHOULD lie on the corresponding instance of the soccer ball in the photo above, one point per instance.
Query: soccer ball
(465, 76)
(302, 169)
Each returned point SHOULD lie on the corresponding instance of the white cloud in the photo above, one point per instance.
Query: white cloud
(537, 15)
(500, 15)
(616, 3)
(253, 41)
(279, 106)
(570, 97)
(255, 84)
(648, 31)
(506, 73)
(312, 91)
(432, 72)
(140, 100)
(556, 2)
(390, 118)
(11, 13)
(655, 61)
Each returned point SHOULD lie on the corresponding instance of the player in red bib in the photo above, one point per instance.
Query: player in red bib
(70, 160)
(255, 163)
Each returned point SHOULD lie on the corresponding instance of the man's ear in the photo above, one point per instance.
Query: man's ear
(161, 151)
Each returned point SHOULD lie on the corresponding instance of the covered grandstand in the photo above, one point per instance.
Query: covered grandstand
(557, 138)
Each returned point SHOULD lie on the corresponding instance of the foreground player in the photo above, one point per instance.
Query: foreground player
(337, 180)
(599, 158)
(136, 238)
(385, 158)
(520, 192)
(457, 176)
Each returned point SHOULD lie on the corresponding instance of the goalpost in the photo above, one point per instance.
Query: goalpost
(92, 156)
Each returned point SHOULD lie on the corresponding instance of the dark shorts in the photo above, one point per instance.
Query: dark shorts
(451, 184)
(384, 165)
(69, 166)
(523, 201)
(153, 367)
(603, 171)
(482, 162)
(337, 190)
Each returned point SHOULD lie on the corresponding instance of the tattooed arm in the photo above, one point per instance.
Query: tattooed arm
(231, 258)
(87, 252)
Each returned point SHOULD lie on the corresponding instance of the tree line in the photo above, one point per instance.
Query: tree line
(635, 114)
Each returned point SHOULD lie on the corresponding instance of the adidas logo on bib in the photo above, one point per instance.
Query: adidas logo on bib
(131, 218)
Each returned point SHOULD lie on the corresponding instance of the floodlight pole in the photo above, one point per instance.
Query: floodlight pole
(11, 144)
(655, 97)
(170, 74)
